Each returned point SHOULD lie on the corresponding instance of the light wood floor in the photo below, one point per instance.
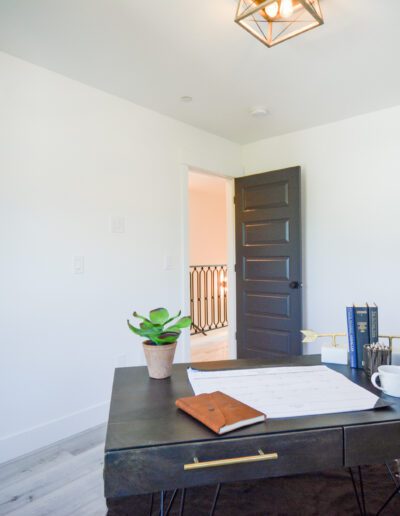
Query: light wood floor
(213, 346)
(60, 480)
(216, 351)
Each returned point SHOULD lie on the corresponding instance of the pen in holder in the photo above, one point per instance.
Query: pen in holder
(375, 355)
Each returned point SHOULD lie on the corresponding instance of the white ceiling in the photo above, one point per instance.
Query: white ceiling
(153, 52)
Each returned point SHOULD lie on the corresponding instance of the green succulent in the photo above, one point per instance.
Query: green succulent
(155, 328)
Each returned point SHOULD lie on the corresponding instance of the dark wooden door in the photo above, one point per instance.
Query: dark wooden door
(268, 264)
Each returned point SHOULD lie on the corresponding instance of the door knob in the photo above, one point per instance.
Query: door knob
(295, 284)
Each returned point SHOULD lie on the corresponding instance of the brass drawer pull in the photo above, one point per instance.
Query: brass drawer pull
(228, 462)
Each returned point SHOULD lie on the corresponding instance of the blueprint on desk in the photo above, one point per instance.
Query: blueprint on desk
(282, 392)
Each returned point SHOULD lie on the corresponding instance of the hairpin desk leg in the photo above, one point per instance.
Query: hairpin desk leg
(162, 503)
(396, 491)
(182, 505)
(216, 496)
(151, 504)
(393, 475)
(362, 489)
(388, 501)
(171, 502)
(360, 500)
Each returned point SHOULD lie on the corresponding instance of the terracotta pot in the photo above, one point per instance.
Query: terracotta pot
(159, 359)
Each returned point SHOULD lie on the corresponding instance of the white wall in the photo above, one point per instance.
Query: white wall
(351, 214)
(71, 157)
(207, 224)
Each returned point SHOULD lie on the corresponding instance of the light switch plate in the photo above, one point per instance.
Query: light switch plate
(78, 265)
(168, 262)
(117, 224)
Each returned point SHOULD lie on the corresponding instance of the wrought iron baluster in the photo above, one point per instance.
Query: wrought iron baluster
(198, 297)
(219, 286)
(208, 297)
(225, 321)
(212, 325)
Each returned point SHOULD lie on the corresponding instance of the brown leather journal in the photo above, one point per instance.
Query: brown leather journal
(220, 412)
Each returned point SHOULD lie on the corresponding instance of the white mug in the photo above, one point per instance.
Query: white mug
(389, 377)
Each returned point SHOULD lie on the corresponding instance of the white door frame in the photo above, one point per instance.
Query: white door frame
(185, 301)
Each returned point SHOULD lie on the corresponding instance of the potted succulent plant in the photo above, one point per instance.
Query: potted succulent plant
(161, 334)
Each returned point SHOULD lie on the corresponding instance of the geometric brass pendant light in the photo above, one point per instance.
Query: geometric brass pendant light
(275, 21)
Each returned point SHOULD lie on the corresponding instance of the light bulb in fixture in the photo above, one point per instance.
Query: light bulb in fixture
(272, 10)
(286, 8)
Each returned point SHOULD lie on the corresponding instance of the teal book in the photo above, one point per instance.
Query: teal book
(373, 324)
(361, 325)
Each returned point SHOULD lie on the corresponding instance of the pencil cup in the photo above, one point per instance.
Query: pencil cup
(375, 355)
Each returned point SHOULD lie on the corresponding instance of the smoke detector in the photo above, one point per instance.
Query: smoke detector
(259, 111)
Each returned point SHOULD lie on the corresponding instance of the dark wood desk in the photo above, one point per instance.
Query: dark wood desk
(149, 440)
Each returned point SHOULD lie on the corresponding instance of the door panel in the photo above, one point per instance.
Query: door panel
(268, 260)
(266, 269)
(266, 196)
(266, 232)
(267, 304)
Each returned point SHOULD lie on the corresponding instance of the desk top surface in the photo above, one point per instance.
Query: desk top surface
(143, 411)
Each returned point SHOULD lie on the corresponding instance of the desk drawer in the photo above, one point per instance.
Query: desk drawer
(151, 469)
(369, 444)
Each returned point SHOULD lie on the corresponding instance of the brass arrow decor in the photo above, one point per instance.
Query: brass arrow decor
(312, 336)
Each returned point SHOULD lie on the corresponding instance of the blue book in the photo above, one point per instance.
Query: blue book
(362, 333)
(373, 324)
(351, 335)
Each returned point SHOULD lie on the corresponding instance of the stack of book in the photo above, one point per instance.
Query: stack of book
(362, 326)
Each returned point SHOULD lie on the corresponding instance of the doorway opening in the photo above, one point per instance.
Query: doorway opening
(210, 226)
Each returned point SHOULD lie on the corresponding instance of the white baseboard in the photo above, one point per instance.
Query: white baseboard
(15, 445)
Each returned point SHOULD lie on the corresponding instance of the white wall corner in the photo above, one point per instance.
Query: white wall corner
(31, 439)
(183, 349)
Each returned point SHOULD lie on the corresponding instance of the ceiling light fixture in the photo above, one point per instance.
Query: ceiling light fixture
(275, 21)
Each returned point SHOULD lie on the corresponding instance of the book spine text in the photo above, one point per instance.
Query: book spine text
(373, 324)
(362, 332)
(351, 336)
